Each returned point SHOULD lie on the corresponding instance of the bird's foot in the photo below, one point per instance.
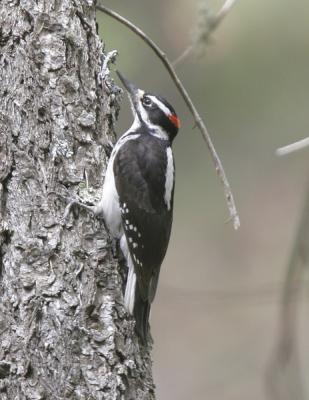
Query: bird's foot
(74, 201)
(108, 147)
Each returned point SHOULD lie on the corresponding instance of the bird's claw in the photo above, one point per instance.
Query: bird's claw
(72, 201)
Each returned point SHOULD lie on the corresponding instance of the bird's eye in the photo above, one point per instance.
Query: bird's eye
(146, 101)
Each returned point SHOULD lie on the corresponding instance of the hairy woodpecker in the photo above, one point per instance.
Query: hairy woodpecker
(137, 199)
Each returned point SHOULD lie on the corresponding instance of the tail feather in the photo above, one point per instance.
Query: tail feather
(135, 304)
(141, 315)
(129, 296)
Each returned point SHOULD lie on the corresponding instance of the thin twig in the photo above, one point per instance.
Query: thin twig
(109, 58)
(198, 120)
(185, 54)
(212, 24)
(290, 148)
(283, 378)
(225, 9)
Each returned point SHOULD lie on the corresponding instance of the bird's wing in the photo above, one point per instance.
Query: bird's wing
(146, 220)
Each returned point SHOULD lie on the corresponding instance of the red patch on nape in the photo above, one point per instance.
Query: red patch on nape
(174, 120)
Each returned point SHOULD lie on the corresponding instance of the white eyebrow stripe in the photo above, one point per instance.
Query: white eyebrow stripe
(162, 106)
(155, 130)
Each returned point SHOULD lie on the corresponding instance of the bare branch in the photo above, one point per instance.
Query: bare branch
(208, 25)
(283, 377)
(225, 9)
(198, 120)
(108, 58)
(185, 54)
(290, 148)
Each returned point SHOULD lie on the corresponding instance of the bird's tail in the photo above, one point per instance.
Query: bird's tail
(135, 304)
(141, 314)
(129, 296)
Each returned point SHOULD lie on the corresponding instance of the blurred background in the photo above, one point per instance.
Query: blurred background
(216, 314)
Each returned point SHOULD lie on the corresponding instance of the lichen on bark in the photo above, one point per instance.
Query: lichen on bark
(64, 332)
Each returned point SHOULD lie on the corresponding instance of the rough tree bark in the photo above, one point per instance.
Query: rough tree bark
(63, 330)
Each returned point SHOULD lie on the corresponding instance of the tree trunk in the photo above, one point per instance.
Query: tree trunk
(64, 333)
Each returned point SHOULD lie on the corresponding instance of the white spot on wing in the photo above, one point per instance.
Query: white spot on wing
(169, 178)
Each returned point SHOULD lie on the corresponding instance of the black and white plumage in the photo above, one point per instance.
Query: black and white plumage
(137, 199)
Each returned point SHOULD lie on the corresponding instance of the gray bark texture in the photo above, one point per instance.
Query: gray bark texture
(64, 333)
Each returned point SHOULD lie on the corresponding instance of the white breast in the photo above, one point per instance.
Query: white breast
(109, 203)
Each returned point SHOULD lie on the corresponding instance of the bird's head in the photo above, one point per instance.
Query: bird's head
(153, 111)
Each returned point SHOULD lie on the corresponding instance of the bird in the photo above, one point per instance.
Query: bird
(138, 196)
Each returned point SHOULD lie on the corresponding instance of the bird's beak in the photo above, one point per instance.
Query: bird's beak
(134, 93)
